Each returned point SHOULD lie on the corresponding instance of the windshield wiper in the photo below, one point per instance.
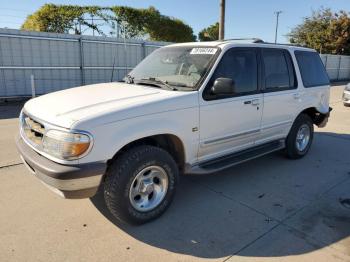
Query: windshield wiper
(157, 82)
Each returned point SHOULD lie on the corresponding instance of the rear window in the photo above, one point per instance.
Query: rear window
(312, 69)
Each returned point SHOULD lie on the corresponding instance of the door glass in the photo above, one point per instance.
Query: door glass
(276, 69)
(241, 66)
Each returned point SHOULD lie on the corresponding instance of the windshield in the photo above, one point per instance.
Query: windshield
(178, 67)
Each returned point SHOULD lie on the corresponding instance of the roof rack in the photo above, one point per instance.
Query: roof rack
(290, 44)
(253, 40)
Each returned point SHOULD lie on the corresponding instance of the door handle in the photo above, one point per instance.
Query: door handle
(255, 102)
(296, 96)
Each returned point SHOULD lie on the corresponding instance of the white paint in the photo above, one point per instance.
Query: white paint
(116, 114)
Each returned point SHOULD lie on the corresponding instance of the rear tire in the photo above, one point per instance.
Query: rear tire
(140, 184)
(300, 137)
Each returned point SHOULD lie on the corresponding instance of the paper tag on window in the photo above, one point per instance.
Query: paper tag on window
(203, 51)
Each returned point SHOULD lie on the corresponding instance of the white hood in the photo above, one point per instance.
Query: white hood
(66, 107)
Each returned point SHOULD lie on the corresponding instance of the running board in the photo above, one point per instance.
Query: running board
(227, 161)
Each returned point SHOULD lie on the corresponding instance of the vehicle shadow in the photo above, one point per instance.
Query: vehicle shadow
(219, 215)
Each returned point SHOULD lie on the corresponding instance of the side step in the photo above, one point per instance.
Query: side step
(227, 161)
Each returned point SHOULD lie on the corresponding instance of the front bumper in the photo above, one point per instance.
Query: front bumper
(346, 97)
(78, 181)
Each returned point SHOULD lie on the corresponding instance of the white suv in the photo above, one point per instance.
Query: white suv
(193, 108)
(346, 95)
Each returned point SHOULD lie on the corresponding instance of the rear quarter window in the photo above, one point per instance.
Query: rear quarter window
(312, 70)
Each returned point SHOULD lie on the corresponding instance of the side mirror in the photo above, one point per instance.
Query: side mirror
(223, 86)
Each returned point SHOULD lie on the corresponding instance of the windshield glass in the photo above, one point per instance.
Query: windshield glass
(175, 66)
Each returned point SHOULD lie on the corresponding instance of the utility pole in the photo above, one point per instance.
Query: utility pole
(222, 20)
(277, 13)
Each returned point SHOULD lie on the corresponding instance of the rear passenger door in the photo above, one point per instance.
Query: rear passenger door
(280, 94)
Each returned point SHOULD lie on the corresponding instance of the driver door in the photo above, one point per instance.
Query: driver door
(231, 122)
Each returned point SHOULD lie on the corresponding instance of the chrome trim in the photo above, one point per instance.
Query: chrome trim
(49, 127)
(276, 125)
(230, 137)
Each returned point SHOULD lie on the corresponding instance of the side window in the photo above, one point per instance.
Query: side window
(242, 67)
(311, 68)
(278, 70)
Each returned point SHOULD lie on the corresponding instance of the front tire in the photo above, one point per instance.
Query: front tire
(300, 137)
(140, 184)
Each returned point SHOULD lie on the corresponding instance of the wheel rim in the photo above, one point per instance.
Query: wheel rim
(148, 188)
(303, 137)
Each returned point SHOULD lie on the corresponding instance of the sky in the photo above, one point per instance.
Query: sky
(244, 18)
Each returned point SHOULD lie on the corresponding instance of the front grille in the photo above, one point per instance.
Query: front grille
(32, 130)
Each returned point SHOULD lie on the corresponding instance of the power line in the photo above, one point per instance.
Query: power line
(14, 10)
(10, 22)
(14, 16)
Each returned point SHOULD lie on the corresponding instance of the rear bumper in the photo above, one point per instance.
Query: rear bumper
(78, 181)
(322, 119)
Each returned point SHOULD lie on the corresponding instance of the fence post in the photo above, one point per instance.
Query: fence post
(143, 50)
(339, 67)
(32, 82)
(82, 70)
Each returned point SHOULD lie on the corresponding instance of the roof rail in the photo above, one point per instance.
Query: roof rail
(290, 44)
(253, 40)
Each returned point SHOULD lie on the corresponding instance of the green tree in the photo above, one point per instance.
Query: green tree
(325, 31)
(61, 18)
(150, 22)
(210, 33)
(146, 23)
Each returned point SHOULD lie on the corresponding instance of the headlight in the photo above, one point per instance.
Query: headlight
(64, 145)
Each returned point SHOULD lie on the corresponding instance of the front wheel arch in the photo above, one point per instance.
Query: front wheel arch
(169, 142)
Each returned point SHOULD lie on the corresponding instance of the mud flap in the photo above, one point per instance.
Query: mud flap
(322, 119)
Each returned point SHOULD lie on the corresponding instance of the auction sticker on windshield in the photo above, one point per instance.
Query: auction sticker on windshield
(203, 51)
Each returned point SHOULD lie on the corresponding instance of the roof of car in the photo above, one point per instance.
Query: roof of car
(243, 42)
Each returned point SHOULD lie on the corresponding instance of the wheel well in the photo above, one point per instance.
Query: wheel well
(314, 114)
(170, 143)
